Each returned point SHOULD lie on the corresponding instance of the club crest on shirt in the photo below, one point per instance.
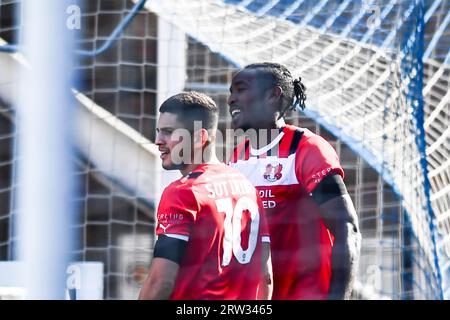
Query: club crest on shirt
(273, 171)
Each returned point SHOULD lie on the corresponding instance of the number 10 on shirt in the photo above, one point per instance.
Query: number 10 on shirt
(233, 230)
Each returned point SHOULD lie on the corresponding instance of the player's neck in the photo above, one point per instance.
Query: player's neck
(208, 157)
(272, 124)
(279, 123)
(266, 134)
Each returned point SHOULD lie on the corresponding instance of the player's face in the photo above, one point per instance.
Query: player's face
(166, 141)
(248, 101)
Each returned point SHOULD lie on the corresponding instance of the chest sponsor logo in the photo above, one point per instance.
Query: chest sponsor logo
(273, 171)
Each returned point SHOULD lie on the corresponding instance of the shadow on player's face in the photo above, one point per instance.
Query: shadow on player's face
(248, 101)
(170, 133)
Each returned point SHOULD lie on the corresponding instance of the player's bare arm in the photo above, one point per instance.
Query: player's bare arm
(338, 212)
(266, 283)
(160, 280)
(164, 269)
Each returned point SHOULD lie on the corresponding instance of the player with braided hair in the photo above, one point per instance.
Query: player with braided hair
(315, 238)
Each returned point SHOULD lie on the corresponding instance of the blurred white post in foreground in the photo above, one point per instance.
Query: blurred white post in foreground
(45, 171)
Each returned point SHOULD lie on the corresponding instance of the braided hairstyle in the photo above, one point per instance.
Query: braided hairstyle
(278, 75)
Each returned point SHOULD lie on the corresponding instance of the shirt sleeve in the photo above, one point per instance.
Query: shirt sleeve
(177, 211)
(315, 159)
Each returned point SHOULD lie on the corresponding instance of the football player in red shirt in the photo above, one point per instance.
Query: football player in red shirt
(315, 239)
(213, 241)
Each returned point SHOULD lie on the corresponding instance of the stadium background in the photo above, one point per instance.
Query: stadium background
(167, 48)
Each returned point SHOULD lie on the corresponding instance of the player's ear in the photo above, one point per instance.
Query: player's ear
(277, 91)
(201, 137)
(204, 136)
(275, 94)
